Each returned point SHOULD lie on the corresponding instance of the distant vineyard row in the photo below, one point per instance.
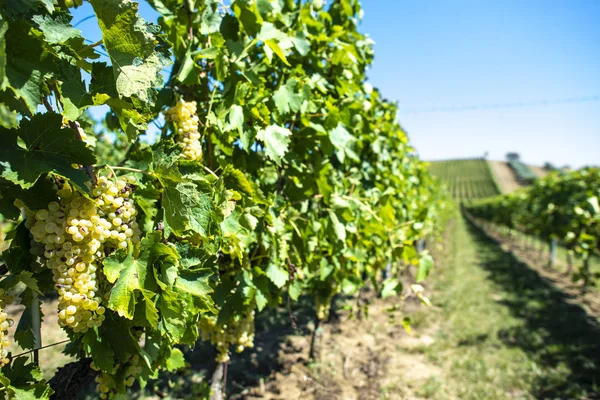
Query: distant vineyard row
(466, 179)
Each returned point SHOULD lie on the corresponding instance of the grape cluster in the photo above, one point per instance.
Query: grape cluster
(183, 115)
(5, 323)
(74, 235)
(106, 383)
(239, 333)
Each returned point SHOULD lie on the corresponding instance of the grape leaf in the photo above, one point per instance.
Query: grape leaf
(277, 275)
(186, 207)
(8, 118)
(136, 51)
(101, 352)
(425, 267)
(276, 140)
(338, 227)
(286, 99)
(236, 118)
(175, 361)
(56, 28)
(342, 140)
(129, 272)
(26, 63)
(36, 197)
(195, 283)
(39, 146)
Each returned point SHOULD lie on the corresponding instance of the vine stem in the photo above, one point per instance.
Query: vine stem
(210, 171)
(114, 167)
(88, 168)
(243, 53)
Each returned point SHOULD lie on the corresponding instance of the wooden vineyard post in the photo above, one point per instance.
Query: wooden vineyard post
(36, 328)
(420, 245)
(552, 260)
(569, 264)
(217, 384)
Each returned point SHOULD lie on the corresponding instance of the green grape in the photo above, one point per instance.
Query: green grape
(5, 323)
(183, 115)
(106, 383)
(74, 233)
(238, 333)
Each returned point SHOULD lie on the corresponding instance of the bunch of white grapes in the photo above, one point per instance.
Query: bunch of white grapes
(238, 333)
(73, 237)
(183, 115)
(5, 323)
(106, 383)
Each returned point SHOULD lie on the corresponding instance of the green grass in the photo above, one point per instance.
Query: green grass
(504, 332)
(466, 179)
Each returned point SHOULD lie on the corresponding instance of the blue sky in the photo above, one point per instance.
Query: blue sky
(434, 53)
(460, 53)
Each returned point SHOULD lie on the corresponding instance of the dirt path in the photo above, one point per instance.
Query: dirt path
(505, 176)
(538, 171)
(370, 358)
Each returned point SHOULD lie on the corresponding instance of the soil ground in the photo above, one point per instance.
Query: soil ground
(505, 176)
(539, 171)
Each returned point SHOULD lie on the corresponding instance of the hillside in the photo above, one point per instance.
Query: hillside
(505, 176)
(466, 179)
(539, 171)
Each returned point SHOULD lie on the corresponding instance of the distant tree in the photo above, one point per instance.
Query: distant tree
(485, 155)
(548, 166)
(512, 156)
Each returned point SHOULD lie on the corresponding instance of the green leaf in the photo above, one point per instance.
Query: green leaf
(36, 197)
(342, 140)
(425, 266)
(277, 275)
(136, 51)
(57, 27)
(276, 140)
(236, 118)
(390, 288)
(24, 333)
(27, 61)
(236, 180)
(301, 44)
(131, 273)
(275, 42)
(172, 313)
(73, 91)
(295, 290)
(175, 361)
(100, 351)
(196, 284)
(17, 7)
(118, 335)
(286, 99)
(338, 227)
(274, 46)
(40, 146)
(407, 324)
(186, 208)
(8, 118)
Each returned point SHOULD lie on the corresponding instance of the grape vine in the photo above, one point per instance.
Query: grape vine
(563, 206)
(279, 172)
